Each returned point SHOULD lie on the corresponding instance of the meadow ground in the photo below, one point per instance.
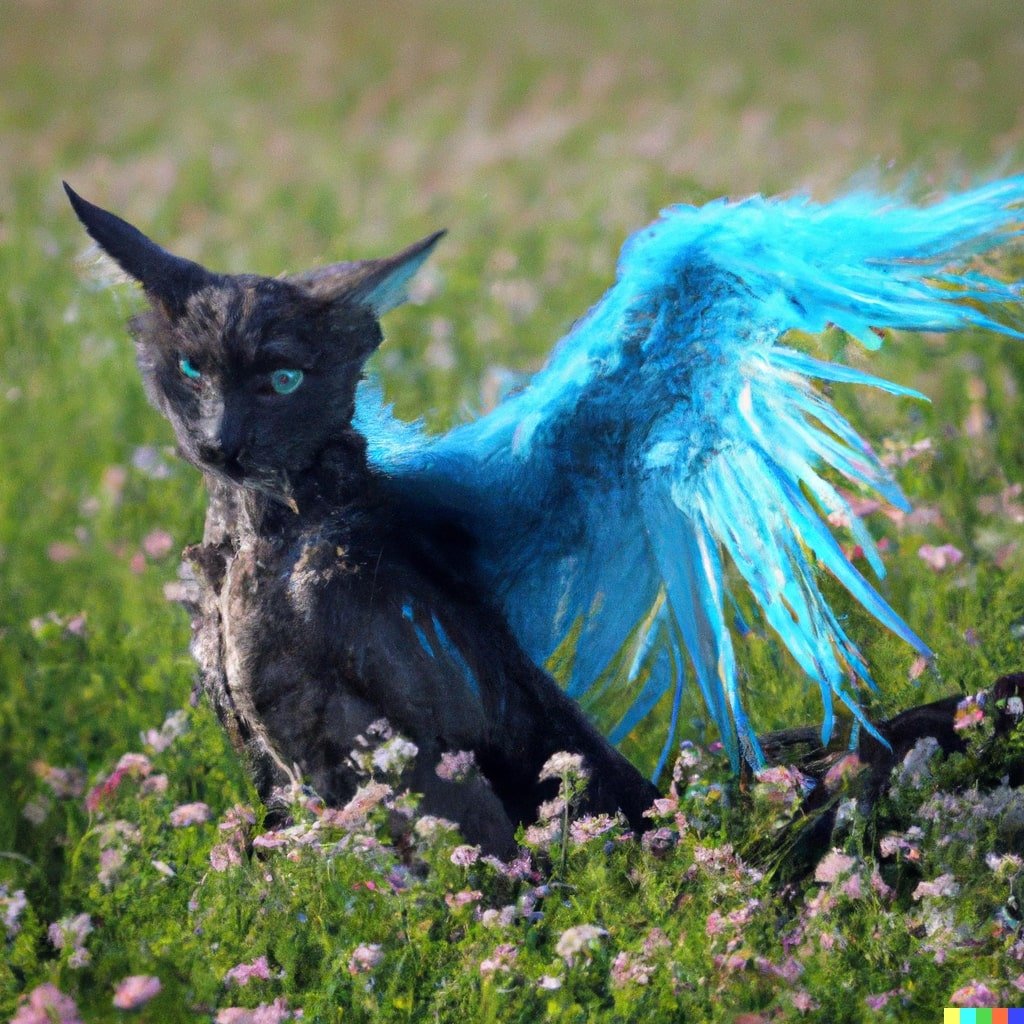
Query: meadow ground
(265, 136)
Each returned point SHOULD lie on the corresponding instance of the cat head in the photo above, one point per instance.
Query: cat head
(257, 375)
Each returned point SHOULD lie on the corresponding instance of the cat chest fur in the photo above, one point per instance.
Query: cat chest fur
(319, 642)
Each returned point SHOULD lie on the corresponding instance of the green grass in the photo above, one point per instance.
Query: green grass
(267, 137)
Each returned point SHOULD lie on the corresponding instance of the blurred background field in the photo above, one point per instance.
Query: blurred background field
(266, 136)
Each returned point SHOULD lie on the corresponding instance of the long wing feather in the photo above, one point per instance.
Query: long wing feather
(674, 432)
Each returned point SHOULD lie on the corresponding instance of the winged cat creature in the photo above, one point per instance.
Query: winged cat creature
(357, 565)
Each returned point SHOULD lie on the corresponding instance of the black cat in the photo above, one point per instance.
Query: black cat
(326, 599)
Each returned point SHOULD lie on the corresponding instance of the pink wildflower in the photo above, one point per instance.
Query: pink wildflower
(549, 983)
(974, 994)
(457, 766)
(102, 790)
(242, 974)
(944, 885)
(939, 558)
(136, 991)
(654, 941)
(689, 757)
(131, 765)
(224, 856)
(62, 551)
(70, 933)
(917, 667)
(732, 963)
(157, 543)
(265, 1013)
(542, 836)
(354, 814)
(112, 481)
(833, 865)
(580, 939)
(11, 907)
(790, 970)
(236, 824)
(663, 807)
(190, 814)
(37, 810)
(155, 784)
(64, 782)
(430, 827)
(465, 856)
(1005, 865)
(659, 841)
(846, 768)
(803, 1002)
(502, 918)
(853, 887)
(742, 915)
(893, 844)
(500, 960)
(551, 809)
(458, 900)
(564, 765)
(590, 827)
(629, 968)
(878, 884)
(271, 840)
(521, 867)
(175, 724)
(879, 1001)
(782, 786)
(237, 817)
(365, 958)
(394, 756)
(111, 861)
(47, 1005)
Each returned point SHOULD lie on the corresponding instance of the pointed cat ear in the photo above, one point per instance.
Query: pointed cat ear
(380, 285)
(167, 279)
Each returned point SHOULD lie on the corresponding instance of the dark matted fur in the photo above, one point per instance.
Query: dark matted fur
(325, 602)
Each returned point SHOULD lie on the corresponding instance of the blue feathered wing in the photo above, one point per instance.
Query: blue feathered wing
(673, 431)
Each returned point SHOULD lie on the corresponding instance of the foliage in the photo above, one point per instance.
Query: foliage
(371, 912)
(268, 137)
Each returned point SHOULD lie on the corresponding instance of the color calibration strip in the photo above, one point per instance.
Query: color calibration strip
(993, 1015)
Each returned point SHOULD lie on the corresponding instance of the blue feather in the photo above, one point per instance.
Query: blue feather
(673, 432)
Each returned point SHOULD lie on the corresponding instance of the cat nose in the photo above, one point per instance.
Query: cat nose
(221, 439)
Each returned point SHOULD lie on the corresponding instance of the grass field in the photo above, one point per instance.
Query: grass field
(266, 137)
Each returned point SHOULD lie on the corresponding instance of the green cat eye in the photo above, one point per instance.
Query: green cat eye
(186, 366)
(284, 382)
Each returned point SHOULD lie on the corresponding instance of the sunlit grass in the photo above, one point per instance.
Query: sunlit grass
(271, 137)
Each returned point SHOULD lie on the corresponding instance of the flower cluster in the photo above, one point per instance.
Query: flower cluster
(46, 1004)
(69, 934)
(579, 942)
(242, 974)
(457, 766)
(12, 905)
(136, 991)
